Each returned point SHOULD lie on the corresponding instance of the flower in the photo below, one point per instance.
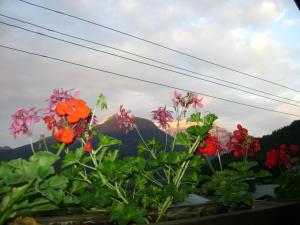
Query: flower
(272, 159)
(163, 116)
(59, 95)
(67, 117)
(74, 109)
(125, 120)
(279, 157)
(212, 145)
(177, 97)
(240, 143)
(293, 148)
(22, 121)
(65, 135)
(197, 102)
(88, 147)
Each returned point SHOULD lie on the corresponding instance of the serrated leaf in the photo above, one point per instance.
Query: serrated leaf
(195, 117)
(243, 166)
(106, 140)
(209, 119)
(125, 213)
(101, 102)
(182, 139)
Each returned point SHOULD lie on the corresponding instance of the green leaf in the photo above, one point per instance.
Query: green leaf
(56, 196)
(112, 156)
(210, 119)
(72, 157)
(108, 168)
(43, 172)
(44, 158)
(182, 139)
(125, 213)
(243, 166)
(142, 148)
(101, 102)
(263, 173)
(78, 186)
(195, 117)
(55, 182)
(173, 157)
(196, 162)
(106, 140)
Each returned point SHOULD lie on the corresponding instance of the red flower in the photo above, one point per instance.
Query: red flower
(240, 141)
(293, 148)
(280, 157)
(272, 159)
(284, 158)
(211, 146)
(88, 147)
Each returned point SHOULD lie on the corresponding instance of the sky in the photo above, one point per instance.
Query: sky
(254, 36)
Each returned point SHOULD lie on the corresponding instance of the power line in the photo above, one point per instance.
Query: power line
(141, 80)
(144, 63)
(159, 45)
(143, 57)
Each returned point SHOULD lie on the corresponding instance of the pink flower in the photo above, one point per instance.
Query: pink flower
(197, 102)
(125, 120)
(59, 95)
(22, 121)
(163, 116)
(177, 97)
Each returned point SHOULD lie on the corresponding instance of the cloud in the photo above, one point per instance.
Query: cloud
(239, 34)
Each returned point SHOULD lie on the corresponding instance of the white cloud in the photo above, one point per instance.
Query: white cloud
(239, 34)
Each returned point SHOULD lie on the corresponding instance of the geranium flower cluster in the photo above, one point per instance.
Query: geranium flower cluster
(22, 121)
(163, 116)
(59, 95)
(211, 146)
(185, 101)
(241, 143)
(125, 120)
(281, 156)
(73, 120)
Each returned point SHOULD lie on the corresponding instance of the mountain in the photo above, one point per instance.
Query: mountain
(286, 135)
(220, 132)
(109, 127)
(5, 148)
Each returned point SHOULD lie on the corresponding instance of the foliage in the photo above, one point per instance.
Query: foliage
(232, 184)
(27, 186)
(94, 177)
(289, 185)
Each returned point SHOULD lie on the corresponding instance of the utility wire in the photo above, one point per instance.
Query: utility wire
(144, 57)
(148, 64)
(159, 45)
(139, 79)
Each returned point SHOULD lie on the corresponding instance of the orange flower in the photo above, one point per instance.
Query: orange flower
(75, 109)
(73, 118)
(61, 108)
(65, 135)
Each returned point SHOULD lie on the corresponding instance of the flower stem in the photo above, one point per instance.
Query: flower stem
(140, 135)
(164, 208)
(61, 148)
(209, 164)
(220, 162)
(91, 122)
(31, 144)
